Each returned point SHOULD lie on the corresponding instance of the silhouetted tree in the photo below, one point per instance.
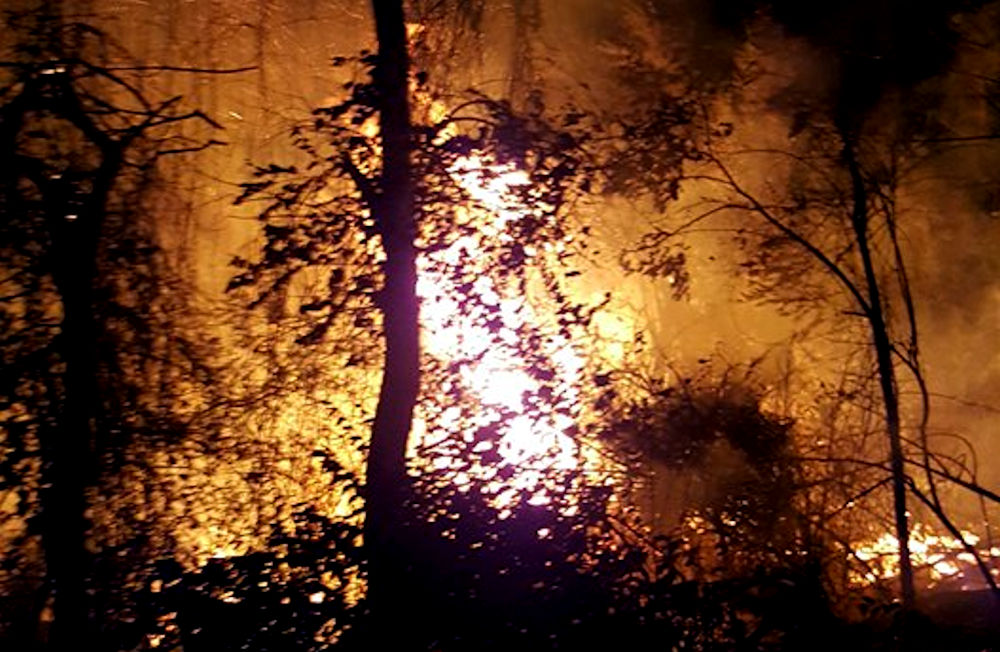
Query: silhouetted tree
(77, 143)
(831, 232)
(394, 216)
(333, 227)
(832, 226)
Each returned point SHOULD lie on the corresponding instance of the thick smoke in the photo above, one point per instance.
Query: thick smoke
(927, 70)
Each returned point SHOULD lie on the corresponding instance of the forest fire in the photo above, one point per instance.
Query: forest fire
(939, 560)
(479, 329)
(529, 325)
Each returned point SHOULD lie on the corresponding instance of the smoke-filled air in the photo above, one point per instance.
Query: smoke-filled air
(454, 325)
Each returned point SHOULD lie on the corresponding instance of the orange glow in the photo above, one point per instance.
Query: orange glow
(941, 557)
(454, 328)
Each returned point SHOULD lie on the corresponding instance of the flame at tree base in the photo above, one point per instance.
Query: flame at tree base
(938, 560)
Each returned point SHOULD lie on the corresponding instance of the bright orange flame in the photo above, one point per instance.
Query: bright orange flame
(497, 378)
(940, 556)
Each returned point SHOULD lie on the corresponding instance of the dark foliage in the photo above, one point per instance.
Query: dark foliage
(536, 579)
(318, 215)
(295, 596)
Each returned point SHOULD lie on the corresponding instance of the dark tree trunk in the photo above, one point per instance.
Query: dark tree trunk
(73, 205)
(886, 374)
(386, 479)
(68, 463)
(71, 450)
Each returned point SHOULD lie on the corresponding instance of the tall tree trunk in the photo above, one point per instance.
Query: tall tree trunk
(67, 438)
(68, 466)
(386, 479)
(71, 452)
(886, 373)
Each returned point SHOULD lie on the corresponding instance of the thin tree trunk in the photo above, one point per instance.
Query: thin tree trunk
(386, 479)
(886, 375)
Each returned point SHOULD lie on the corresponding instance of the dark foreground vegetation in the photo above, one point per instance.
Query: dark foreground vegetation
(487, 584)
